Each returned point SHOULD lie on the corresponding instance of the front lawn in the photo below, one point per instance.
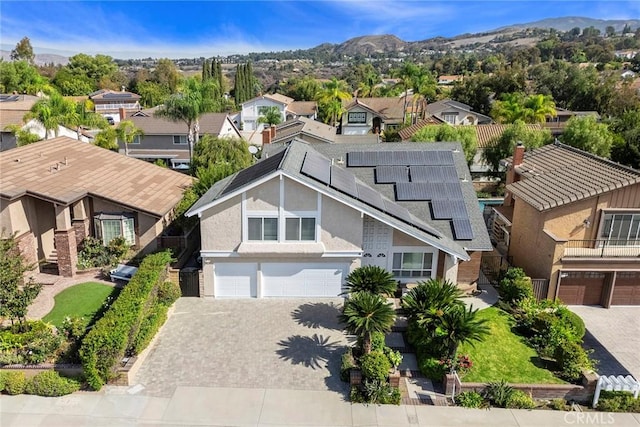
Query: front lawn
(83, 300)
(504, 355)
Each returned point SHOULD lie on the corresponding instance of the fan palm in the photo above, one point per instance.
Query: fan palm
(331, 96)
(460, 325)
(364, 313)
(373, 279)
(430, 297)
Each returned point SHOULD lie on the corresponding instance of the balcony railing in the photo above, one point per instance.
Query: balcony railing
(602, 248)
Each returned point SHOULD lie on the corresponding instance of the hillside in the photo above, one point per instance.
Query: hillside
(570, 22)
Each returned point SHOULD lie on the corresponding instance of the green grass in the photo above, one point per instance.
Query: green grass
(82, 300)
(504, 355)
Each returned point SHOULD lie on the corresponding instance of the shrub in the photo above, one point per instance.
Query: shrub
(168, 293)
(559, 404)
(94, 254)
(618, 401)
(348, 363)
(432, 368)
(375, 366)
(50, 384)
(576, 322)
(520, 400)
(1, 381)
(14, 382)
(149, 327)
(515, 286)
(395, 357)
(470, 399)
(572, 359)
(389, 395)
(74, 328)
(116, 333)
(38, 343)
(377, 341)
(498, 393)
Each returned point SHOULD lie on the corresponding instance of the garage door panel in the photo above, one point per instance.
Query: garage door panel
(582, 288)
(302, 279)
(627, 289)
(235, 280)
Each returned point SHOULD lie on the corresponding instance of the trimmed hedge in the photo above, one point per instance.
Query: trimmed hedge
(51, 384)
(124, 328)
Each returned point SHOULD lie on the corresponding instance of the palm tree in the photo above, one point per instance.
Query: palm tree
(193, 100)
(127, 132)
(430, 297)
(538, 108)
(406, 74)
(84, 116)
(373, 279)
(461, 325)
(331, 96)
(52, 112)
(364, 313)
(270, 116)
(509, 109)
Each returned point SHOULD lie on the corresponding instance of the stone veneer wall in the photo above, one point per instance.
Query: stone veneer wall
(81, 226)
(28, 247)
(67, 251)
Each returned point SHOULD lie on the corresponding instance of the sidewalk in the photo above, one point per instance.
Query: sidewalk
(115, 406)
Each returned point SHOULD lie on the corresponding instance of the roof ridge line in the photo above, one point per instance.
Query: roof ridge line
(595, 157)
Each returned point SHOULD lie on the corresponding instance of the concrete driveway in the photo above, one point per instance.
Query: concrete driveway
(614, 335)
(293, 344)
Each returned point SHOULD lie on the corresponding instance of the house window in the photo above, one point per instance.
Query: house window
(621, 229)
(357, 117)
(180, 139)
(263, 229)
(412, 264)
(110, 226)
(136, 140)
(300, 229)
(450, 118)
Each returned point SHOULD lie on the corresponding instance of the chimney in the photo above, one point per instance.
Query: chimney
(266, 136)
(518, 158)
(273, 131)
(123, 113)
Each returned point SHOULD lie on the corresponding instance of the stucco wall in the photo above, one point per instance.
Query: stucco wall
(157, 142)
(265, 197)
(297, 197)
(402, 239)
(221, 226)
(341, 226)
(526, 237)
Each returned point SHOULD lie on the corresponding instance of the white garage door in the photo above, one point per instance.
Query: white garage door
(303, 279)
(235, 280)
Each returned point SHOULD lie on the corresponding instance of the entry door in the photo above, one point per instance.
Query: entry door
(376, 241)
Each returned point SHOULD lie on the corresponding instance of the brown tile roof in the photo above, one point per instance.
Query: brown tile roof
(556, 175)
(90, 170)
(210, 123)
(23, 102)
(11, 117)
(389, 108)
(303, 108)
(485, 134)
(409, 131)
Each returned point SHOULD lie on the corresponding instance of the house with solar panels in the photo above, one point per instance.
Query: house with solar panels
(115, 104)
(298, 221)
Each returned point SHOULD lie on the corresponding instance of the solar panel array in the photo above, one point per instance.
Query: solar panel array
(256, 171)
(421, 176)
(117, 95)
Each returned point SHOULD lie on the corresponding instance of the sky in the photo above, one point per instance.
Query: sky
(140, 29)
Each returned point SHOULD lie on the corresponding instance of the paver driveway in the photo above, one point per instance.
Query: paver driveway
(614, 334)
(255, 343)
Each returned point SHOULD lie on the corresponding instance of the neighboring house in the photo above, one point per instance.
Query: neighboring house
(456, 113)
(54, 193)
(289, 109)
(168, 140)
(302, 128)
(372, 115)
(13, 108)
(409, 131)
(557, 123)
(449, 80)
(297, 222)
(573, 218)
(115, 104)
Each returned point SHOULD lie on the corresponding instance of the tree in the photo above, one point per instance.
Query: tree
(461, 325)
(106, 139)
(429, 297)
(16, 293)
(127, 132)
(407, 74)
(529, 109)
(330, 99)
(466, 135)
(22, 77)
(52, 112)
(91, 69)
(23, 136)
(152, 93)
(166, 73)
(23, 51)
(626, 149)
(587, 134)
(194, 99)
(270, 116)
(538, 108)
(475, 92)
(373, 279)
(212, 151)
(365, 313)
(503, 146)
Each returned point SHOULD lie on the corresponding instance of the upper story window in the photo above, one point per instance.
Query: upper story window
(412, 264)
(109, 226)
(621, 228)
(260, 228)
(450, 118)
(357, 117)
(180, 139)
(300, 229)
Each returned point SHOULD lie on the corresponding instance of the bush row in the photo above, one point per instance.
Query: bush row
(498, 394)
(129, 324)
(47, 383)
(38, 344)
(618, 401)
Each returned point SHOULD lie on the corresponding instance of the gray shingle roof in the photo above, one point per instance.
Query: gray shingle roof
(556, 175)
